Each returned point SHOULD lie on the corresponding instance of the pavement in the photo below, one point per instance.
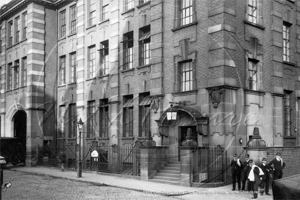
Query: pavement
(125, 182)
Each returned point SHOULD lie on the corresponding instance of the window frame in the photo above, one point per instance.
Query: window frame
(128, 116)
(287, 110)
(104, 118)
(73, 66)
(72, 120)
(61, 124)
(62, 20)
(17, 29)
(128, 45)
(286, 38)
(144, 46)
(144, 114)
(10, 33)
(16, 76)
(73, 19)
(252, 11)
(91, 61)
(0, 39)
(91, 112)
(24, 71)
(184, 18)
(92, 13)
(24, 25)
(253, 70)
(62, 70)
(104, 58)
(9, 75)
(128, 5)
(183, 82)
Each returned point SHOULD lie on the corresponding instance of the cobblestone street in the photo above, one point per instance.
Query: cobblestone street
(28, 186)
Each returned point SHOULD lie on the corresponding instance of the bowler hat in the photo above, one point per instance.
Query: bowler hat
(235, 155)
(247, 156)
(264, 159)
(278, 154)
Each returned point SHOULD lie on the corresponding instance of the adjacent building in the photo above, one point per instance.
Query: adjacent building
(223, 66)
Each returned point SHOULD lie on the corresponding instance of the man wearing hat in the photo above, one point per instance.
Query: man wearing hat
(278, 165)
(255, 177)
(245, 172)
(265, 178)
(236, 169)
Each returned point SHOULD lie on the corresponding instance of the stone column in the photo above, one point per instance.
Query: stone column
(148, 158)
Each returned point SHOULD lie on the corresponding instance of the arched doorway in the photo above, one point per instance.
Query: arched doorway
(19, 129)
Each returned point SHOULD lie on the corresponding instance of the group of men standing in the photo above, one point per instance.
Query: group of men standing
(249, 177)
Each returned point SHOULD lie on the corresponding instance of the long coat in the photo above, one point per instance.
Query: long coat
(278, 167)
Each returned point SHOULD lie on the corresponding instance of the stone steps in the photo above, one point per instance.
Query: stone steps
(169, 174)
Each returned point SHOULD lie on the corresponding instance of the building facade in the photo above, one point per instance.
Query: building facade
(224, 66)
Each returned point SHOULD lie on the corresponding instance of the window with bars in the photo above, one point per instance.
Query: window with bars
(128, 4)
(252, 74)
(10, 33)
(73, 17)
(17, 30)
(144, 45)
(286, 42)
(128, 116)
(24, 25)
(144, 111)
(92, 12)
(187, 76)
(186, 11)
(252, 11)
(104, 58)
(9, 76)
(73, 64)
(16, 73)
(63, 24)
(61, 123)
(287, 113)
(72, 121)
(91, 110)
(92, 62)
(128, 50)
(104, 118)
(62, 70)
(24, 69)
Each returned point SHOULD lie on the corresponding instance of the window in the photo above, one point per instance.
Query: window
(24, 66)
(128, 50)
(129, 4)
(104, 118)
(24, 25)
(63, 24)
(287, 113)
(62, 70)
(73, 67)
(61, 123)
(143, 1)
(252, 74)
(17, 30)
(92, 13)
(144, 43)
(104, 10)
(10, 33)
(16, 74)
(187, 76)
(128, 117)
(92, 62)
(252, 11)
(144, 119)
(9, 69)
(73, 16)
(91, 110)
(186, 11)
(104, 58)
(286, 42)
(72, 121)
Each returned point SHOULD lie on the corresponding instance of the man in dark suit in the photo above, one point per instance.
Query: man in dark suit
(278, 165)
(236, 169)
(265, 178)
(255, 177)
(245, 172)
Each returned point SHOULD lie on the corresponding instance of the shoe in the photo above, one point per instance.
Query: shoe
(268, 194)
(233, 189)
(254, 198)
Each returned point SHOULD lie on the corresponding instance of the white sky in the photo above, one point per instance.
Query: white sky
(2, 2)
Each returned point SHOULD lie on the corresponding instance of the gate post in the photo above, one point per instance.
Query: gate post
(148, 158)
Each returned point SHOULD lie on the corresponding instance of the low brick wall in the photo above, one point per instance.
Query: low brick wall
(291, 157)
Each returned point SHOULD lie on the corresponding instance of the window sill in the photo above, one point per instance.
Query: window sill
(255, 25)
(142, 138)
(104, 21)
(62, 85)
(127, 11)
(143, 4)
(103, 138)
(70, 35)
(127, 70)
(73, 83)
(103, 76)
(185, 93)
(24, 40)
(90, 79)
(289, 63)
(92, 26)
(63, 38)
(184, 26)
(9, 47)
(17, 43)
(143, 66)
(256, 92)
(127, 138)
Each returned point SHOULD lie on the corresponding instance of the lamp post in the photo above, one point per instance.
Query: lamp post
(79, 169)
(171, 113)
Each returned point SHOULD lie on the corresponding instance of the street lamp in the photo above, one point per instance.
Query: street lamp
(171, 113)
(79, 169)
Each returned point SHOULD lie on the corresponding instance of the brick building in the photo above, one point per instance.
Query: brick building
(224, 66)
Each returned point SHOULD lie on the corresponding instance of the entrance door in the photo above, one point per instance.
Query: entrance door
(20, 120)
(182, 135)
